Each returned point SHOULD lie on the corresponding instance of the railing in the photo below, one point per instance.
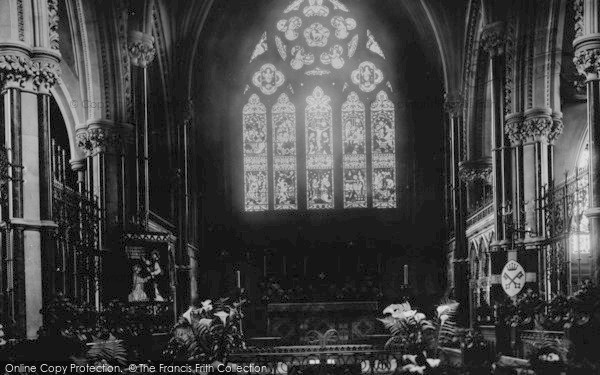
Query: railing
(77, 216)
(341, 359)
(483, 212)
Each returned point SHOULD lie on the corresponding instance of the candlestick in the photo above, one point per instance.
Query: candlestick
(239, 280)
(406, 274)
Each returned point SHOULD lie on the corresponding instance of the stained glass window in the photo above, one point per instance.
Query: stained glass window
(321, 74)
(284, 154)
(255, 155)
(355, 152)
(383, 152)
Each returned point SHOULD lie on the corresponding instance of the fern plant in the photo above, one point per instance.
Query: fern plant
(207, 334)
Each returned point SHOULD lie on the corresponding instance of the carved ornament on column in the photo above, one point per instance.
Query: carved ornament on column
(141, 48)
(493, 38)
(453, 106)
(20, 68)
(587, 55)
(578, 15)
(538, 126)
(103, 136)
(479, 170)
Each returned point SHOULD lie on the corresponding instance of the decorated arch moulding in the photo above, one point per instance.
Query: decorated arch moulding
(31, 69)
(98, 136)
(141, 48)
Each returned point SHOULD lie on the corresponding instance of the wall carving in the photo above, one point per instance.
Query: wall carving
(587, 61)
(539, 126)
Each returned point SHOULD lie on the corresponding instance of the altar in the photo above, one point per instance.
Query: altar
(324, 323)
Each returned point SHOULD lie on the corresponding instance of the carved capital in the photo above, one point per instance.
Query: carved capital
(557, 127)
(141, 48)
(19, 70)
(493, 38)
(538, 126)
(479, 170)
(513, 128)
(453, 105)
(587, 55)
(103, 136)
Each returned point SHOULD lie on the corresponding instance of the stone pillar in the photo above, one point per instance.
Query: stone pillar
(492, 40)
(532, 136)
(587, 61)
(454, 108)
(26, 76)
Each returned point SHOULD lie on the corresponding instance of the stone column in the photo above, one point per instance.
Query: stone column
(532, 136)
(26, 77)
(454, 108)
(492, 40)
(587, 61)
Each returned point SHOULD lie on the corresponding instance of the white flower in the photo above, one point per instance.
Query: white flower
(414, 369)
(188, 314)
(433, 362)
(205, 322)
(409, 314)
(207, 305)
(223, 316)
(412, 358)
(419, 317)
(443, 318)
(397, 308)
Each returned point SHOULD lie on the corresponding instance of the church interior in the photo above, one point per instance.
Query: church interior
(301, 186)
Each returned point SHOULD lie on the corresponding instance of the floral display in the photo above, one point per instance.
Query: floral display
(547, 361)
(208, 333)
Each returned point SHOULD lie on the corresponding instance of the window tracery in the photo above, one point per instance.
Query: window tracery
(318, 43)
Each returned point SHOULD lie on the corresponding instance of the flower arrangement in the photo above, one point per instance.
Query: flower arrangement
(207, 333)
(419, 364)
(522, 312)
(558, 314)
(411, 332)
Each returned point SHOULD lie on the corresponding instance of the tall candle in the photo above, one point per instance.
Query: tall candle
(239, 280)
(406, 274)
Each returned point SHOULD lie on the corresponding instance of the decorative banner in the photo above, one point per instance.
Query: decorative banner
(513, 278)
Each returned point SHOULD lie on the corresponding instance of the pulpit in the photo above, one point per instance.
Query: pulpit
(324, 323)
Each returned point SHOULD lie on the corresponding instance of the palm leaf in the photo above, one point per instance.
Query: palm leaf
(111, 351)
